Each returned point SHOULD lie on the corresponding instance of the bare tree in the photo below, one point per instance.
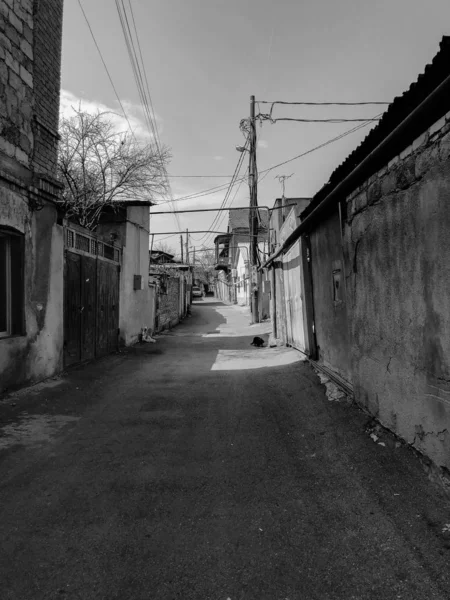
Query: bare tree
(205, 260)
(164, 247)
(101, 167)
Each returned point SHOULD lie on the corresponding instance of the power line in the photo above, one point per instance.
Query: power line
(262, 117)
(141, 79)
(106, 68)
(227, 195)
(321, 103)
(222, 187)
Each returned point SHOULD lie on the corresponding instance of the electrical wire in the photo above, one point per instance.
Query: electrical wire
(219, 223)
(262, 117)
(321, 103)
(222, 187)
(230, 187)
(141, 79)
(106, 68)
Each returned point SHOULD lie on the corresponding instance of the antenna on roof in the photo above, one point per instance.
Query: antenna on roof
(282, 179)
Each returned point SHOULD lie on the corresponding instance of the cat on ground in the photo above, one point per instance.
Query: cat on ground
(258, 342)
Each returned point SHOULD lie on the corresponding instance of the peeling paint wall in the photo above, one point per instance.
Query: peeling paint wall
(38, 352)
(330, 304)
(30, 55)
(397, 238)
(136, 307)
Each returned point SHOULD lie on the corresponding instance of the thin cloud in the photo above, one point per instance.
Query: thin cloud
(262, 144)
(218, 157)
(135, 113)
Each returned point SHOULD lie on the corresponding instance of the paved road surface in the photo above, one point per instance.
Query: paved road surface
(202, 468)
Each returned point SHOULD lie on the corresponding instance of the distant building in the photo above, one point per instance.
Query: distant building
(234, 283)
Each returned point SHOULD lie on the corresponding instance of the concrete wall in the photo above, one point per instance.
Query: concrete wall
(130, 226)
(330, 312)
(30, 53)
(398, 243)
(136, 309)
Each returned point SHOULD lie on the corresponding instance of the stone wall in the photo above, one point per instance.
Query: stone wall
(168, 313)
(397, 244)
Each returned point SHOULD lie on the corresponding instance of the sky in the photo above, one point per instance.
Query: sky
(204, 59)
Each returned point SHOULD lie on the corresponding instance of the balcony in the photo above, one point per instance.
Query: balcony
(222, 263)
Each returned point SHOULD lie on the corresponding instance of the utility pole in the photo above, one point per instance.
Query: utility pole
(253, 216)
(181, 246)
(187, 246)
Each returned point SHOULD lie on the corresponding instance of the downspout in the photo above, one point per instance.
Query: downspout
(421, 114)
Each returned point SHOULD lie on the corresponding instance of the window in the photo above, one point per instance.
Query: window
(11, 283)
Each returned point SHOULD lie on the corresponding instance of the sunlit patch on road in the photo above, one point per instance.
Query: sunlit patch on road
(240, 360)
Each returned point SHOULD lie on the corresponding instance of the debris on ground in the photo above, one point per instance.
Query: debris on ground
(333, 391)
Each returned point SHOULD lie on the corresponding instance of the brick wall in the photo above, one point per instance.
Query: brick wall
(47, 80)
(16, 79)
(30, 58)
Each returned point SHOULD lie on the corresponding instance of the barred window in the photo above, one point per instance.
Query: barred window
(11, 283)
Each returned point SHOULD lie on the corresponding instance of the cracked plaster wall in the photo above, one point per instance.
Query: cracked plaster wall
(38, 352)
(330, 316)
(397, 238)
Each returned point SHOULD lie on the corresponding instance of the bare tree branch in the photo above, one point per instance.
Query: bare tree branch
(101, 167)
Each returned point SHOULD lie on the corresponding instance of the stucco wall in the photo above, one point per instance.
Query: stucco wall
(38, 353)
(330, 316)
(136, 309)
(398, 242)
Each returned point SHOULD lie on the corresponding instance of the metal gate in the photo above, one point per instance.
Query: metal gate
(91, 296)
(292, 274)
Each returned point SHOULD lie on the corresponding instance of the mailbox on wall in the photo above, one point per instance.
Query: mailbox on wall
(138, 282)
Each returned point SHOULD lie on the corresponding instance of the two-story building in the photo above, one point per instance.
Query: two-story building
(235, 278)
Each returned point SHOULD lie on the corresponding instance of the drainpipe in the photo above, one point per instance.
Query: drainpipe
(424, 115)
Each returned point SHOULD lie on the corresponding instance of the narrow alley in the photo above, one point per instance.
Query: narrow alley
(201, 468)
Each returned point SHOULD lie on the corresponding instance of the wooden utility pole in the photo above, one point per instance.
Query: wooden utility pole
(253, 215)
(181, 246)
(187, 246)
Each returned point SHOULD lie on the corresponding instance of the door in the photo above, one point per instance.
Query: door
(91, 297)
(72, 309)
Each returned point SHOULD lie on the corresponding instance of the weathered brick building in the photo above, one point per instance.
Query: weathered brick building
(31, 241)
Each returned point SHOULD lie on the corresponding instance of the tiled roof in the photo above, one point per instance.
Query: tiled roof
(239, 219)
(433, 75)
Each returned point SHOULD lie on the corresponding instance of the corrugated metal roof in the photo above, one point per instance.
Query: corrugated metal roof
(433, 75)
(239, 219)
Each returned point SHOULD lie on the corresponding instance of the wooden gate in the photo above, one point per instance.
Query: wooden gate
(91, 296)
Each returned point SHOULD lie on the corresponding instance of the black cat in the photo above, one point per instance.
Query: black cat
(258, 342)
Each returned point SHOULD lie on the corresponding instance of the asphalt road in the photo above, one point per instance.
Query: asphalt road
(202, 468)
